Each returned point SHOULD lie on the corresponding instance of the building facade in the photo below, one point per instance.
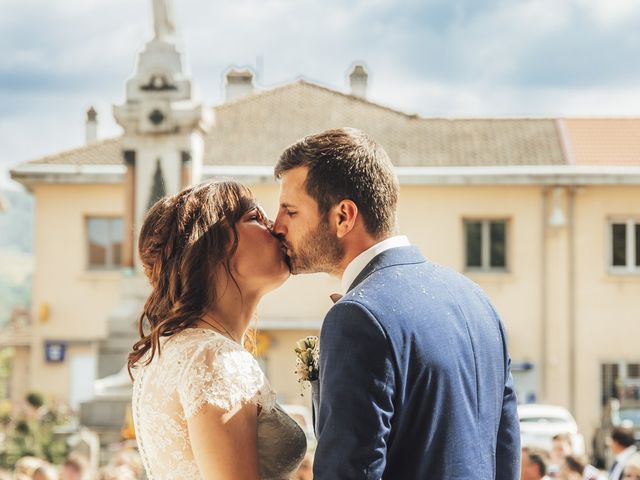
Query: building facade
(544, 214)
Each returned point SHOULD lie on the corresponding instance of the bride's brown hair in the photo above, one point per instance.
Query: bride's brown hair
(183, 239)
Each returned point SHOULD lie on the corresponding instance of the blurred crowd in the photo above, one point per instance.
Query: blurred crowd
(559, 462)
(124, 465)
(562, 463)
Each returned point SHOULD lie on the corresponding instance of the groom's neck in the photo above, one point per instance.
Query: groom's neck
(354, 247)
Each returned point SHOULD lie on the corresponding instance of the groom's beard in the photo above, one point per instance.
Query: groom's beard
(318, 251)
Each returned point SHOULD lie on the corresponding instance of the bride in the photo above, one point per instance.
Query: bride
(201, 405)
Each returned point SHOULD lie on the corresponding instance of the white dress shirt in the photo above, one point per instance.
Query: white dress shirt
(621, 461)
(357, 264)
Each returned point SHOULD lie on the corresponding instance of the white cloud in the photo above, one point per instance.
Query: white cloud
(611, 13)
(434, 57)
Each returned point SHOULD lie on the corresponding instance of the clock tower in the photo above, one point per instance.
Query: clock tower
(163, 142)
(164, 126)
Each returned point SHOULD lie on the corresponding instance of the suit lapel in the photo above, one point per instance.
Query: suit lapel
(394, 256)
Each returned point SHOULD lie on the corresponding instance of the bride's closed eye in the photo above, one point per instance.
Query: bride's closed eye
(258, 215)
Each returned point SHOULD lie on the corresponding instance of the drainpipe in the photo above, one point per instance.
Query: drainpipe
(571, 192)
(543, 298)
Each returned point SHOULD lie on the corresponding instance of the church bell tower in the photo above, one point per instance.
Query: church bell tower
(163, 142)
(164, 126)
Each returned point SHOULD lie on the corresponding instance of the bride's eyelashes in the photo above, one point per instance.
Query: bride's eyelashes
(258, 215)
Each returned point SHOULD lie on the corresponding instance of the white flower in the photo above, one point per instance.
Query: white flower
(307, 358)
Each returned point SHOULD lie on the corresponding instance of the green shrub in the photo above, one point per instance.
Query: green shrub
(35, 399)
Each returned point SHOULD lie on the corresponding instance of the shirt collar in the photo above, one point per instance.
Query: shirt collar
(626, 453)
(357, 264)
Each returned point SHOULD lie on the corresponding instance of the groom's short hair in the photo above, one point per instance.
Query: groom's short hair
(346, 163)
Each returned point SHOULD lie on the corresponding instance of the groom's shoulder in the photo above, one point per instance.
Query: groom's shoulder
(424, 281)
(420, 271)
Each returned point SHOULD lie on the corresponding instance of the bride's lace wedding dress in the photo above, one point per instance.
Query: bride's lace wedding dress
(198, 367)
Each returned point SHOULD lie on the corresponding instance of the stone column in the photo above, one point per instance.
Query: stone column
(128, 247)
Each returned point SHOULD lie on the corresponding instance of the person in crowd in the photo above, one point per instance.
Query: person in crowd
(75, 467)
(130, 459)
(27, 466)
(632, 468)
(577, 467)
(623, 448)
(121, 472)
(46, 472)
(534, 464)
(561, 446)
(572, 468)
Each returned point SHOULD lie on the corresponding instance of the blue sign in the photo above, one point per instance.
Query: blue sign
(54, 352)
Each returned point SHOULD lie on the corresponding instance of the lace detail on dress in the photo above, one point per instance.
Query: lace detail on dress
(196, 367)
(223, 375)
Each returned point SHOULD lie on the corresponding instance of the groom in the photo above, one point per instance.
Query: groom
(414, 377)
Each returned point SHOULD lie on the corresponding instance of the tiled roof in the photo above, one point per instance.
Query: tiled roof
(102, 152)
(254, 131)
(603, 141)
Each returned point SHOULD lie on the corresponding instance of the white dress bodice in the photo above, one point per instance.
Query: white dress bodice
(196, 367)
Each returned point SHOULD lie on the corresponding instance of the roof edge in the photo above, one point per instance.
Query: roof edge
(73, 150)
(304, 81)
(30, 174)
(483, 175)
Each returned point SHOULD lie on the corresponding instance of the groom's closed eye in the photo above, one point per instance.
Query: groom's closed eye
(288, 210)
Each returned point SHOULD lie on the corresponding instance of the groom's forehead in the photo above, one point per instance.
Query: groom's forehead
(295, 178)
(292, 187)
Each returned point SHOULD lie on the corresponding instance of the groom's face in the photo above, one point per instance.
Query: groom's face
(307, 236)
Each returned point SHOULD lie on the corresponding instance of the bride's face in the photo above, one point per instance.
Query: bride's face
(258, 263)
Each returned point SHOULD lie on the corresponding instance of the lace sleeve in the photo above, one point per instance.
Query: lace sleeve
(223, 375)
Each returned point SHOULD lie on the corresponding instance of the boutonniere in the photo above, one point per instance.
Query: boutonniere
(307, 358)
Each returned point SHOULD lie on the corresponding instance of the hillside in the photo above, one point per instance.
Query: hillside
(16, 259)
(16, 223)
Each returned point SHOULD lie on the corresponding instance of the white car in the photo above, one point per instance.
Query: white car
(540, 423)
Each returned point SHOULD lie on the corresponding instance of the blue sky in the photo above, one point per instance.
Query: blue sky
(454, 58)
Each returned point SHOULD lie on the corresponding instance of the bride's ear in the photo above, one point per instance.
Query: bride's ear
(345, 215)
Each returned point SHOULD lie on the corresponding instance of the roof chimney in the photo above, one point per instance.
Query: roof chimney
(92, 125)
(238, 83)
(358, 79)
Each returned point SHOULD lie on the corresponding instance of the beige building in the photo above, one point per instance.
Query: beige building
(543, 213)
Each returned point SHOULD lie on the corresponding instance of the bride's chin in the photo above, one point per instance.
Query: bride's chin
(285, 274)
(281, 273)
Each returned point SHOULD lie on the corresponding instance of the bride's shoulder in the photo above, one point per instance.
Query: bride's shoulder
(219, 371)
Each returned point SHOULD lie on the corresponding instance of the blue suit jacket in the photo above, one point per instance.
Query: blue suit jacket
(415, 379)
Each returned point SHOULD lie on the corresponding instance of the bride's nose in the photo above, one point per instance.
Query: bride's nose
(264, 219)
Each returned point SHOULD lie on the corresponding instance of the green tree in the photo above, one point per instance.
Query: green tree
(6, 364)
(34, 433)
(157, 189)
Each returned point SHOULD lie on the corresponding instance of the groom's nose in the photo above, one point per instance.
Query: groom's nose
(279, 227)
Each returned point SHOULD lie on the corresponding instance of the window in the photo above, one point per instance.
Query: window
(104, 238)
(625, 246)
(620, 380)
(486, 245)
